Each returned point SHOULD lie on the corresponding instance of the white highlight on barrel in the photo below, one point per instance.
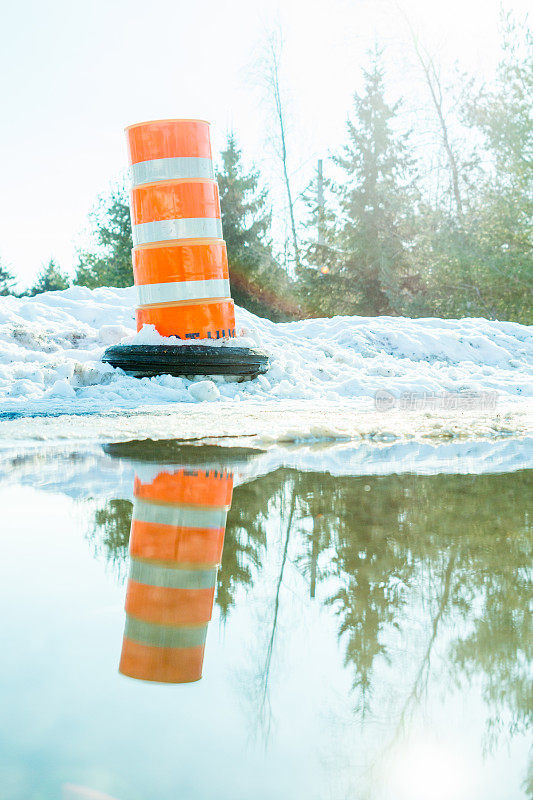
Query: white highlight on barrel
(162, 169)
(150, 294)
(179, 516)
(168, 229)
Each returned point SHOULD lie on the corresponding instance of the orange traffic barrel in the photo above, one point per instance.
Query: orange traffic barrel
(169, 148)
(179, 258)
(176, 541)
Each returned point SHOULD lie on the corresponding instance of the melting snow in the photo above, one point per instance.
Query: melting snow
(51, 346)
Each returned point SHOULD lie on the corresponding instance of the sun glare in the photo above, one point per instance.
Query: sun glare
(429, 771)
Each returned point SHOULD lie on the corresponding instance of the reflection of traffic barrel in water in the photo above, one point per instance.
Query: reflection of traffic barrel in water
(177, 535)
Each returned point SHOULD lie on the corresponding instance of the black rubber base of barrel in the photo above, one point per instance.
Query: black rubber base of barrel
(171, 452)
(145, 361)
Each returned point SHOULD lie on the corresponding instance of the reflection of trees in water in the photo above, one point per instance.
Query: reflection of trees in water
(245, 537)
(459, 546)
(375, 548)
(287, 508)
(110, 533)
(244, 549)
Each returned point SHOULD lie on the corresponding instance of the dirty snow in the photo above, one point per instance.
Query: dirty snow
(51, 346)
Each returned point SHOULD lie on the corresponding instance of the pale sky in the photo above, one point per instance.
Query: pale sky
(73, 74)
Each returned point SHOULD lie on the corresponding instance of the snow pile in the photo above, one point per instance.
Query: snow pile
(51, 345)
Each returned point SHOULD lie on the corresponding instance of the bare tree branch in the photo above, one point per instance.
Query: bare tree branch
(273, 84)
(434, 85)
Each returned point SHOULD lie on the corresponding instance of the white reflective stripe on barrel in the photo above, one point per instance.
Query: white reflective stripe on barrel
(153, 574)
(167, 229)
(179, 516)
(148, 294)
(156, 635)
(161, 169)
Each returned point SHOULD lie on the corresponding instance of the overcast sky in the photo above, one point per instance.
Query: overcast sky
(73, 74)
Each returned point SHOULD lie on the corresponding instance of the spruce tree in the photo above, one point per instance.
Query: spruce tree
(258, 283)
(108, 262)
(377, 200)
(50, 279)
(7, 281)
(500, 229)
(320, 286)
(484, 265)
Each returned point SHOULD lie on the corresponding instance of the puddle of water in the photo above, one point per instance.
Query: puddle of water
(177, 625)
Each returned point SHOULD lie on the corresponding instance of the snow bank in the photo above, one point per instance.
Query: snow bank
(51, 345)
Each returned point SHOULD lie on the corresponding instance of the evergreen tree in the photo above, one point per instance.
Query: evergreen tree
(50, 279)
(501, 229)
(7, 281)
(482, 264)
(258, 283)
(320, 285)
(377, 200)
(108, 263)
(503, 112)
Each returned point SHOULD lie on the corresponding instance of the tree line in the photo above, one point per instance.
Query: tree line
(388, 229)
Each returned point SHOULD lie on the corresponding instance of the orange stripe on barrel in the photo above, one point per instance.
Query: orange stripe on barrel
(161, 664)
(175, 199)
(180, 261)
(187, 487)
(169, 606)
(203, 320)
(158, 542)
(168, 138)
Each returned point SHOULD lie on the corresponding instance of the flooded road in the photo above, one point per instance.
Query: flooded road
(188, 625)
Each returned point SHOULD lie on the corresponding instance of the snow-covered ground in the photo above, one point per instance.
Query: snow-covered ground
(51, 345)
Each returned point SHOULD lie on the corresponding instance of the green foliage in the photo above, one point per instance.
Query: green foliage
(377, 201)
(258, 283)
(108, 263)
(321, 286)
(484, 265)
(7, 281)
(504, 211)
(50, 279)
(503, 112)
